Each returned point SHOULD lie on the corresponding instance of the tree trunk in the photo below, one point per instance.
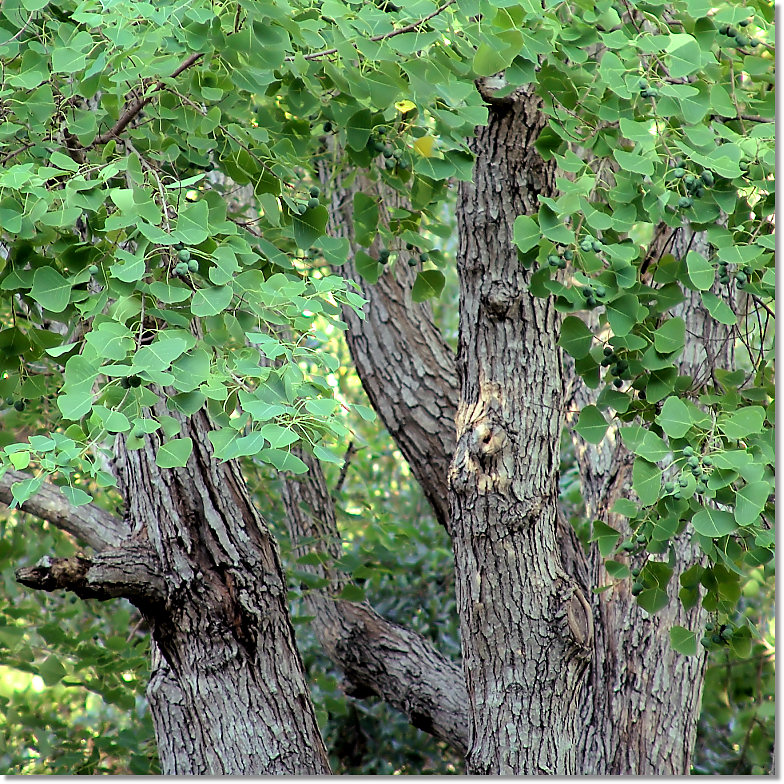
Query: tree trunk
(525, 624)
(228, 694)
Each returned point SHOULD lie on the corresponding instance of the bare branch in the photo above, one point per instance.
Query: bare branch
(376, 656)
(132, 571)
(90, 524)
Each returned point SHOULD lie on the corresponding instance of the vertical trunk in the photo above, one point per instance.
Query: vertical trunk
(228, 693)
(641, 713)
(525, 624)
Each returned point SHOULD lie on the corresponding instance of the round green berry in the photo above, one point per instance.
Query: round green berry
(744, 23)
(685, 202)
(618, 383)
(184, 255)
(637, 589)
(707, 460)
(568, 255)
(313, 202)
(423, 257)
(181, 268)
(669, 487)
(19, 405)
(93, 269)
(679, 172)
(193, 265)
(134, 381)
(412, 262)
(741, 41)
(553, 260)
(707, 178)
(608, 351)
(683, 481)
(315, 191)
(636, 571)
(688, 450)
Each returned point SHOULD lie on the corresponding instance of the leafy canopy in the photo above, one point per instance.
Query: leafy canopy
(168, 175)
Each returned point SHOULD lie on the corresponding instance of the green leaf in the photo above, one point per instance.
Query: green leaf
(670, 336)
(193, 223)
(634, 163)
(683, 641)
(365, 217)
(50, 289)
(368, 268)
(283, 461)
(351, 593)
(701, 272)
(713, 522)
(310, 226)
(51, 671)
(75, 496)
(358, 130)
(526, 233)
(428, 283)
(623, 313)
(718, 308)
(653, 599)
(174, 453)
(575, 337)
(644, 443)
(685, 55)
(488, 60)
(674, 418)
(211, 300)
(591, 424)
(646, 481)
(743, 423)
(750, 500)
(552, 226)
(605, 536)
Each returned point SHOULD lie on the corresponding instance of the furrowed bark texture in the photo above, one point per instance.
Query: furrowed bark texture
(377, 656)
(641, 713)
(229, 695)
(406, 367)
(525, 623)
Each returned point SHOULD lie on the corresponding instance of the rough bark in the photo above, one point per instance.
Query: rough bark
(526, 627)
(406, 367)
(642, 707)
(229, 695)
(376, 656)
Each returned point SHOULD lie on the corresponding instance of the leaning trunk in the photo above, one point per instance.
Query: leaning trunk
(228, 694)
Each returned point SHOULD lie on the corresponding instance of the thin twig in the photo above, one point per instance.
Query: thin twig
(350, 452)
(133, 110)
(383, 36)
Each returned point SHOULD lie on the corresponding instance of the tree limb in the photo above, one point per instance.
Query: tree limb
(131, 571)
(376, 655)
(406, 367)
(90, 524)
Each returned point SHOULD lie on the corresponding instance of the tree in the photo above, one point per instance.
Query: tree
(194, 196)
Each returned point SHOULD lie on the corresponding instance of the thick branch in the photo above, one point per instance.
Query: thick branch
(132, 571)
(407, 369)
(377, 656)
(90, 524)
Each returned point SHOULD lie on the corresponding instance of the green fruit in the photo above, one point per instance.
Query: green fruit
(689, 180)
(412, 262)
(568, 255)
(137, 434)
(669, 486)
(387, 151)
(741, 41)
(699, 192)
(753, 43)
(134, 381)
(606, 362)
(653, 93)
(184, 255)
(637, 589)
(313, 202)
(181, 268)
(705, 642)
(724, 29)
(315, 191)
(707, 178)
(701, 487)
(642, 84)
(125, 384)
(731, 32)
(685, 202)
(683, 481)
(744, 23)
(688, 450)
(693, 460)
(641, 539)
(93, 269)
(586, 245)
(741, 277)
(618, 383)
(423, 257)
(193, 265)
(389, 164)
(383, 253)
(642, 395)
(601, 291)
(327, 126)
(409, 246)
(645, 93)
(302, 208)
(636, 571)
(707, 460)
(19, 405)
(724, 279)
(596, 246)
(608, 351)
(716, 639)
(709, 627)
(553, 260)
